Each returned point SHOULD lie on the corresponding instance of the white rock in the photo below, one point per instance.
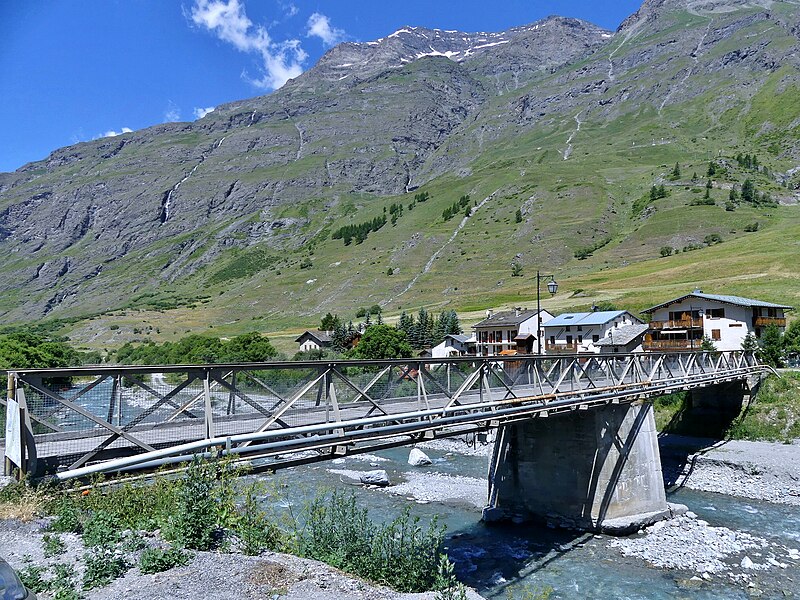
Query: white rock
(417, 458)
(747, 563)
(689, 514)
(378, 477)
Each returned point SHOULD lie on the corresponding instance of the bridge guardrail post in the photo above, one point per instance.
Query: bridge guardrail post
(209, 418)
(20, 449)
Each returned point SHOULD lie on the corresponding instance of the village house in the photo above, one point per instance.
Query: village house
(580, 332)
(682, 323)
(454, 345)
(509, 332)
(314, 340)
(624, 340)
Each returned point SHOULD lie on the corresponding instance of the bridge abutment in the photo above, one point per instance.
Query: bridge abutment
(597, 469)
(725, 398)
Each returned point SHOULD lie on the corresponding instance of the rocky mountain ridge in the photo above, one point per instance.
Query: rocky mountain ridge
(375, 122)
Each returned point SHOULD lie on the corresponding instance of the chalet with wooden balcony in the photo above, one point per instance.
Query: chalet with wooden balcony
(509, 331)
(579, 333)
(682, 323)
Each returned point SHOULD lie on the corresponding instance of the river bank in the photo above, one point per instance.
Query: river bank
(209, 575)
(723, 546)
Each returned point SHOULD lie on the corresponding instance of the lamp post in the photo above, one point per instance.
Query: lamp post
(552, 287)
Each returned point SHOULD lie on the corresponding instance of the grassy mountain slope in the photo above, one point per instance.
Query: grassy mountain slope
(246, 240)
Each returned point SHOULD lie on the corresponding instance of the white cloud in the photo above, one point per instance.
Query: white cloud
(112, 133)
(173, 113)
(289, 9)
(320, 26)
(229, 22)
(199, 113)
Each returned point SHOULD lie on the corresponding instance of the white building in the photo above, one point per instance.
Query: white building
(454, 345)
(313, 340)
(576, 333)
(681, 324)
(509, 331)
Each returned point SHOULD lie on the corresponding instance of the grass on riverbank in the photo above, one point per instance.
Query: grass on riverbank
(211, 508)
(772, 415)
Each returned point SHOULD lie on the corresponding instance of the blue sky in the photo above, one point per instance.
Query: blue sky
(75, 70)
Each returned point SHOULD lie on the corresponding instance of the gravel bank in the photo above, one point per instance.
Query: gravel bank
(757, 470)
(209, 576)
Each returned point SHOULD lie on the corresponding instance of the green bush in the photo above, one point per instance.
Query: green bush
(103, 565)
(52, 545)
(401, 554)
(253, 526)
(156, 560)
(101, 530)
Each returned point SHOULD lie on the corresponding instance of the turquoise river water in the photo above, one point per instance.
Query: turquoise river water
(513, 560)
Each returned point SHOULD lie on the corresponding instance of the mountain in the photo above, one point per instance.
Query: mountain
(233, 218)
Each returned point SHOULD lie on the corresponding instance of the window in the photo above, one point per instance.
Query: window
(595, 338)
(715, 313)
(734, 324)
(569, 340)
(568, 328)
(580, 328)
(715, 335)
(580, 339)
(553, 340)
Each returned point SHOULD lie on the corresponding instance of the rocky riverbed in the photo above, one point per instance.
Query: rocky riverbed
(693, 552)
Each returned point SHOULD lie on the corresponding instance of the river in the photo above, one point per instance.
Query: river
(515, 560)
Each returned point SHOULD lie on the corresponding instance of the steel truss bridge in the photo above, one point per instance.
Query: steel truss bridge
(78, 422)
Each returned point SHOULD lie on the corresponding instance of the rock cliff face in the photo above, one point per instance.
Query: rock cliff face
(373, 120)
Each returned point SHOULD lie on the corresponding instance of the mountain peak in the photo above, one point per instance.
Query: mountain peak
(411, 43)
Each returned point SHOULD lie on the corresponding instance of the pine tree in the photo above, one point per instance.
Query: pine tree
(406, 324)
(749, 343)
(771, 343)
(676, 172)
(748, 191)
(518, 216)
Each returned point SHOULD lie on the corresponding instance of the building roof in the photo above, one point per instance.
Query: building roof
(321, 336)
(600, 317)
(459, 337)
(736, 300)
(505, 318)
(622, 336)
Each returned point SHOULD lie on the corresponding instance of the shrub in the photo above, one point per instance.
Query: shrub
(52, 545)
(256, 532)
(666, 251)
(401, 554)
(196, 521)
(103, 565)
(101, 530)
(156, 560)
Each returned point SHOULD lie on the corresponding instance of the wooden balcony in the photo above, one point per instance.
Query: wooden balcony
(765, 321)
(561, 348)
(670, 345)
(682, 324)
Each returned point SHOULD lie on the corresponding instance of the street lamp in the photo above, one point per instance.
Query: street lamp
(552, 287)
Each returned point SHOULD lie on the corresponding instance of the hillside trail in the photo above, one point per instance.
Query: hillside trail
(438, 252)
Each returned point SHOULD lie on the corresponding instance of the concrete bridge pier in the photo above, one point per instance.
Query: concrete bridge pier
(597, 470)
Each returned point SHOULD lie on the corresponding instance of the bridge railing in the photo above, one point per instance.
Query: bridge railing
(67, 419)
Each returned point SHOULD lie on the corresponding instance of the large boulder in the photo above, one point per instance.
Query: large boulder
(417, 458)
(378, 477)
